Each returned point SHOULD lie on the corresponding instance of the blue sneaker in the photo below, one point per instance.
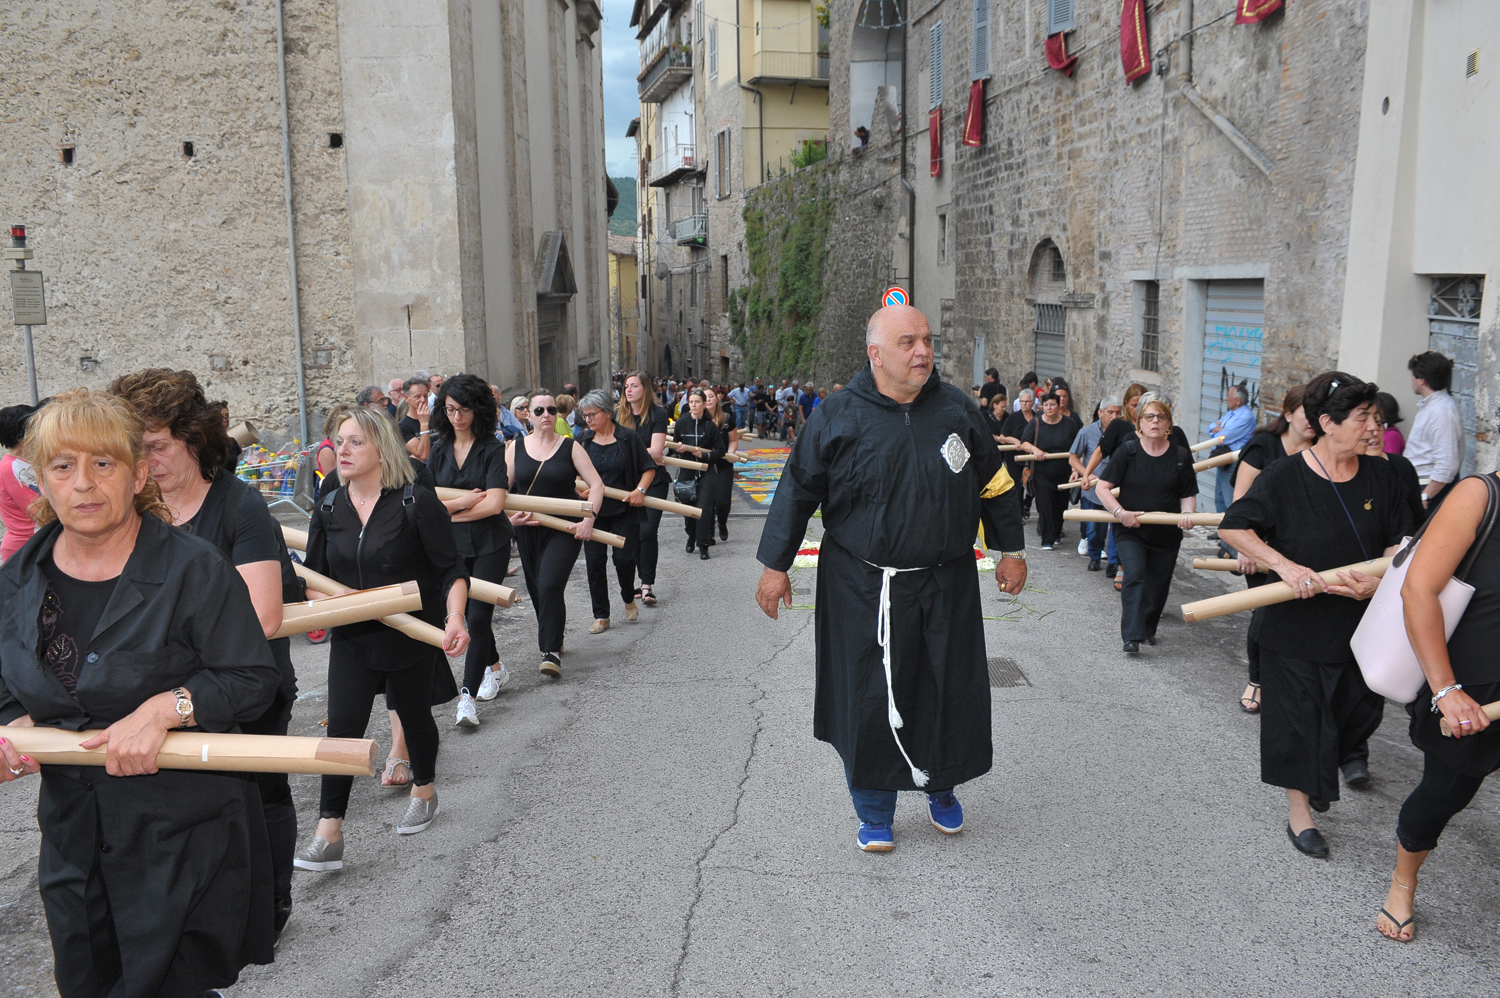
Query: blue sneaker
(946, 813)
(876, 837)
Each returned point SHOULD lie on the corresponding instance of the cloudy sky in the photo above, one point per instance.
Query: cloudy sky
(621, 57)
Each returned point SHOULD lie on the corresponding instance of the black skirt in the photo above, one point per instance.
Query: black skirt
(1475, 755)
(1312, 715)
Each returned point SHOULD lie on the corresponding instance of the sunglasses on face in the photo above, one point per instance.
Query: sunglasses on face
(550, 410)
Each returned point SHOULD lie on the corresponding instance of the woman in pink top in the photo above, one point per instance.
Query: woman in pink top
(17, 481)
(1390, 412)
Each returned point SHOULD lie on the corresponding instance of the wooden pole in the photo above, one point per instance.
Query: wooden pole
(1223, 565)
(295, 539)
(566, 526)
(516, 503)
(1154, 519)
(662, 504)
(1206, 444)
(348, 608)
(412, 627)
(1073, 485)
(677, 462)
(1272, 592)
(735, 458)
(1007, 448)
(1491, 711)
(1216, 462)
(1044, 457)
(215, 752)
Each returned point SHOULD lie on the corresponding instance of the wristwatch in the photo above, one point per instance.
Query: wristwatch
(1014, 554)
(184, 706)
(640, 490)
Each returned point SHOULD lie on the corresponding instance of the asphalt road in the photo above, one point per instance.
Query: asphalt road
(661, 822)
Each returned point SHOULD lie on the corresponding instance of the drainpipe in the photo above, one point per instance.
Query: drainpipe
(911, 192)
(291, 227)
(1186, 87)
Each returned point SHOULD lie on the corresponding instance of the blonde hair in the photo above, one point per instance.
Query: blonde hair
(395, 466)
(564, 405)
(624, 415)
(1149, 399)
(89, 422)
(1132, 391)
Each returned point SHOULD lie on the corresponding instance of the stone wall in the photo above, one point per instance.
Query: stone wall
(155, 258)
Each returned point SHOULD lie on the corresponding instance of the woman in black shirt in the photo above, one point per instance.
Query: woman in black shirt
(1050, 434)
(1153, 475)
(638, 411)
(623, 462)
(996, 411)
(696, 428)
(1289, 434)
(1015, 427)
(381, 528)
(466, 455)
(546, 464)
(724, 469)
(1327, 506)
(185, 440)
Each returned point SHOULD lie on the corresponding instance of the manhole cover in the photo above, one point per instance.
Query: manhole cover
(1005, 672)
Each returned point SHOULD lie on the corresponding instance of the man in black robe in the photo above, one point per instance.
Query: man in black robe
(906, 471)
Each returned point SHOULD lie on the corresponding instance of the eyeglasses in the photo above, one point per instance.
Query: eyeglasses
(1153, 416)
(591, 414)
(550, 410)
(454, 412)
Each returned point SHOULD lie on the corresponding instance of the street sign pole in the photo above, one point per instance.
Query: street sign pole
(28, 300)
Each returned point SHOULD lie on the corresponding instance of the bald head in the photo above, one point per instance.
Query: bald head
(892, 321)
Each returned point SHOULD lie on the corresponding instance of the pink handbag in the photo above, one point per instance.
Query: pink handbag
(1380, 644)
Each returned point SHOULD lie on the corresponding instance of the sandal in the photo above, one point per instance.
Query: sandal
(388, 778)
(1120, 582)
(647, 596)
(1251, 703)
(1400, 927)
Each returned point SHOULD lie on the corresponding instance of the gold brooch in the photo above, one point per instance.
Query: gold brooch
(1369, 504)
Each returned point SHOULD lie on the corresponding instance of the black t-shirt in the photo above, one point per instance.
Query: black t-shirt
(1052, 438)
(1261, 450)
(996, 426)
(71, 609)
(620, 464)
(232, 456)
(1015, 424)
(654, 421)
(1411, 486)
(1297, 513)
(1152, 485)
(409, 428)
(989, 390)
(484, 468)
(1120, 430)
(762, 401)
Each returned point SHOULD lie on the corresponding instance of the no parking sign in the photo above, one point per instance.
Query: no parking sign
(893, 296)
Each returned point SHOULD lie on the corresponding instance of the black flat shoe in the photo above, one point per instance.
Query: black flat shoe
(1309, 843)
(1357, 774)
(1132, 647)
(690, 547)
(1318, 804)
(723, 532)
(1151, 641)
(703, 554)
(1094, 565)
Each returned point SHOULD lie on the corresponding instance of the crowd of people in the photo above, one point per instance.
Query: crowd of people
(146, 584)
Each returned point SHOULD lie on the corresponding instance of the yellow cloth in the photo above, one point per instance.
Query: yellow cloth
(998, 486)
(563, 429)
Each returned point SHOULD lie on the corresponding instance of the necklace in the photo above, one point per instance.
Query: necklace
(364, 500)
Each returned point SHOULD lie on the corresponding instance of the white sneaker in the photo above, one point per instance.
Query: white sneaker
(494, 679)
(1083, 546)
(468, 717)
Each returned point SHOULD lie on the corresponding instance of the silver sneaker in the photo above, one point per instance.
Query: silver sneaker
(495, 677)
(320, 855)
(468, 717)
(419, 814)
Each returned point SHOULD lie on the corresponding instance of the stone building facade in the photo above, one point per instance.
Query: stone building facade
(448, 194)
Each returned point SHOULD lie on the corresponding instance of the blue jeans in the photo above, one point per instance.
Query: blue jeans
(741, 420)
(1097, 534)
(878, 807)
(1223, 488)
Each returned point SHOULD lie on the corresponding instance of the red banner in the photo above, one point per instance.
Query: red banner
(935, 133)
(1057, 54)
(1254, 11)
(974, 117)
(1135, 48)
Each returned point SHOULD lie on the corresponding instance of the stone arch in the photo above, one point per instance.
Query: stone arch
(875, 57)
(1047, 261)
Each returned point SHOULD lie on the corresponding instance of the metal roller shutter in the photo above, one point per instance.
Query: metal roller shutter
(1233, 330)
(1051, 342)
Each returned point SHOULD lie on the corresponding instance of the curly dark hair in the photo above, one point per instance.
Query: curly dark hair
(473, 393)
(13, 424)
(174, 401)
(1335, 394)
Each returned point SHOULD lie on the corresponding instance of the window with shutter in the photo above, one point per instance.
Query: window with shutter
(935, 67)
(713, 50)
(1059, 16)
(981, 39)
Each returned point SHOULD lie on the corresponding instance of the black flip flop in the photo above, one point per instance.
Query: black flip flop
(1400, 927)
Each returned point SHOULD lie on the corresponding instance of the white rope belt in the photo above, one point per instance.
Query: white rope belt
(883, 635)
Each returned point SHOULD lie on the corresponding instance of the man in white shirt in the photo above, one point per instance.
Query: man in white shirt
(1435, 446)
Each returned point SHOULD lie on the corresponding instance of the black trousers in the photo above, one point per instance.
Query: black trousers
(1442, 793)
(596, 554)
(646, 555)
(1314, 716)
(276, 797)
(1148, 579)
(478, 615)
(1050, 503)
(548, 557)
(723, 495)
(352, 689)
(701, 530)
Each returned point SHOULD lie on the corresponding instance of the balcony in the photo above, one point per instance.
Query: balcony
(679, 160)
(689, 229)
(767, 66)
(664, 71)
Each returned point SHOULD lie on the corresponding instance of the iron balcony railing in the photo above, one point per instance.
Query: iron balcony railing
(690, 229)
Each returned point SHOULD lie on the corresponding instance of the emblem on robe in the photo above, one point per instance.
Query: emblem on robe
(955, 453)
